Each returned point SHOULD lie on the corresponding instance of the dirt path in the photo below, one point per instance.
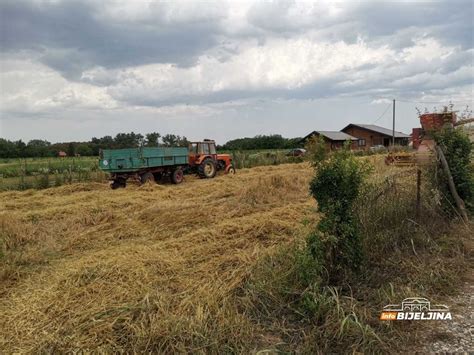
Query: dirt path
(456, 336)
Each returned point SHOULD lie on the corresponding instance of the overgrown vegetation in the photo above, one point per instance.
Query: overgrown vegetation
(369, 249)
(253, 158)
(336, 241)
(39, 173)
(457, 148)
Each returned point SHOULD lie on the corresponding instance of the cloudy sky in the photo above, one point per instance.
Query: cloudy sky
(71, 70)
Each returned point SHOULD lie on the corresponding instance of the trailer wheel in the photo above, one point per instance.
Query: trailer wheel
(147, 177)
(118, 183)
(177, 176)
(207, 169)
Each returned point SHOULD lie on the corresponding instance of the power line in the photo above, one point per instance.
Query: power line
(444, 102)
(390, 104)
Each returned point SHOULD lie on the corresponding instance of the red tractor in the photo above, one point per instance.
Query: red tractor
(205, 161)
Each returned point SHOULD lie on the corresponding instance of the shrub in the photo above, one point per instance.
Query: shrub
(316, 149)
(336, 186)
(457, 149)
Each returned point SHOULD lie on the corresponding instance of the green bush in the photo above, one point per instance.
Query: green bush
(336, 186)
(457, 149)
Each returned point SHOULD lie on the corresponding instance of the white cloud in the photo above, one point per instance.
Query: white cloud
(35, 88)
(192, 59)
(282, 64)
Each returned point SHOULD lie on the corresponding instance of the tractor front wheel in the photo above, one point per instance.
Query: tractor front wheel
(231, 170)
(207, 169)
(177, 176)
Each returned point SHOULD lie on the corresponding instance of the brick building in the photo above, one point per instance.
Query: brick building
(370, 135)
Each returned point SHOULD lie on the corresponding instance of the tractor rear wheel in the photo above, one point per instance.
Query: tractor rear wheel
(177, 176)
(147, 177)
(207, 169)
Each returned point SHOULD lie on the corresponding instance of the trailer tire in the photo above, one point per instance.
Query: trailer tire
(118, 183)
(177, 176)
(147, 177)
(207, 169)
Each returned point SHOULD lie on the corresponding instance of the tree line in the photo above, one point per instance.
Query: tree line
(273, 141)
(43, 148)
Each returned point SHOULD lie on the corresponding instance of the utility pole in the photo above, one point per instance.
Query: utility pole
(393, 128)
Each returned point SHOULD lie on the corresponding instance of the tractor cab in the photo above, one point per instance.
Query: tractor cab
(198, 151)
(204, 159)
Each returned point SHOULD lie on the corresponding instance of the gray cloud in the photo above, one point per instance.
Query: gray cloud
(72, 36)
(134, 58)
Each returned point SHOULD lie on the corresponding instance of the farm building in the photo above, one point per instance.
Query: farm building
(370, 135)
(334, 139)
(62, 154)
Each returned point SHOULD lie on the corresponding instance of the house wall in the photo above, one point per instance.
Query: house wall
(373, 138)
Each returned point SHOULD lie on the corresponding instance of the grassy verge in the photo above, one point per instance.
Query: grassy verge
(405, 256)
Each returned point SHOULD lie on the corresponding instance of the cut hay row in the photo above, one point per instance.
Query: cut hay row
(153, 267)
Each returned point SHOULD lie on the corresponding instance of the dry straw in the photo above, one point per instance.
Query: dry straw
(155, 267)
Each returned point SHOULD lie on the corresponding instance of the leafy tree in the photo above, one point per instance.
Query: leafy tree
(170, 140)
(9, 149)
(84, 149)
(274, 141)
(316, 147)
(37, 148)
(71, 149)
(128, 140)
(152, 139)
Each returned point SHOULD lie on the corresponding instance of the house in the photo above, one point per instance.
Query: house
(370, 135)
(62, 154)
(334, 139)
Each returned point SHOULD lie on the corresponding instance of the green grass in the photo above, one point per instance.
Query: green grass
(31, 166)
(26, 173)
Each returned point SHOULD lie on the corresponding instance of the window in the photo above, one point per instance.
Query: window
(361, 142)
(193, 148)
(212, 148)
(205, 147)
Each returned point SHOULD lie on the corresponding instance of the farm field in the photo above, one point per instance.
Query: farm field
(195, 267)
(25, 173)
(150, 267)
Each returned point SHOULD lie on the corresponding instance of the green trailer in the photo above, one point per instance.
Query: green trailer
(144, 164)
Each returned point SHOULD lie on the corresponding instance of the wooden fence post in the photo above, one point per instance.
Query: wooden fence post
(418, 192)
